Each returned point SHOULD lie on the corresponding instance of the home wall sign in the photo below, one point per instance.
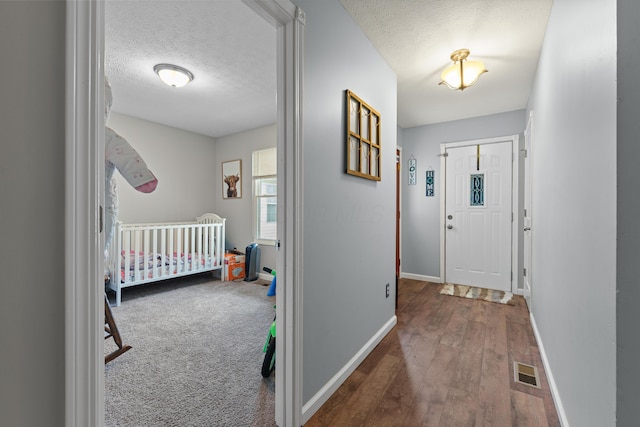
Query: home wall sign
(430, 180)
(363, 139)
(412, 170)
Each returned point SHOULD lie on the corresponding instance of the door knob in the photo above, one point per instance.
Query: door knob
(450, 226)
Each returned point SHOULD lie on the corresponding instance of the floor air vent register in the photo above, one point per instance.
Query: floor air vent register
(526, 374)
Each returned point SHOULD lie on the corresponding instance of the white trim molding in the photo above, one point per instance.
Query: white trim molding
(432, 279)
(290, 218)
(84, 318)
(549, 373)
(84, 309)
(319, 399)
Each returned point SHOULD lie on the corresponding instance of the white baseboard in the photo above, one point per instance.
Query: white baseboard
(431, 279)
(265, 276)
(312, 406)
(547, 369)
(526, 290)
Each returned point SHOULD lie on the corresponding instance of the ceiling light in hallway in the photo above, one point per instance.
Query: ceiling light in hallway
(462, 73)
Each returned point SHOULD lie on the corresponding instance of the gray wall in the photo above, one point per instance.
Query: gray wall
(575, 225)
(574, 207)
(628, 204)
(239, 212)
(32, 229)
(349, 234)
(189, 171)
(421, 214)
(184, 163)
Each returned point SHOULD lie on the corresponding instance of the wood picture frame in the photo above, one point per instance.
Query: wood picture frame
(232, 179)
(364, 151)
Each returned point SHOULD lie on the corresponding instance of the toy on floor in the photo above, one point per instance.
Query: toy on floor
(272, 288)
(269, 349)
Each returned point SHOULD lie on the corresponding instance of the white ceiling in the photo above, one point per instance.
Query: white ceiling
(232, 51)
(417, 37)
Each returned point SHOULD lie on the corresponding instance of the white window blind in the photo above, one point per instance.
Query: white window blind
(264, 176)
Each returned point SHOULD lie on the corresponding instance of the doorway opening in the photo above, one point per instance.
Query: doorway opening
(84, 368)
(479, 237)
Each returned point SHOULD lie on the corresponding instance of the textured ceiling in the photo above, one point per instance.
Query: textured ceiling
(232, 53)
(229, 48)
(416, 37)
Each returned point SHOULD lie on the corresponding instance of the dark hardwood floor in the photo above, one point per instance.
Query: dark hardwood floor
(448, 362)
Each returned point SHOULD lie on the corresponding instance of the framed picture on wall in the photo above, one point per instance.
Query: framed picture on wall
(232, 179)
(363, 139)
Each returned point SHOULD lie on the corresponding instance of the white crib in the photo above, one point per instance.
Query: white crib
(143, 253)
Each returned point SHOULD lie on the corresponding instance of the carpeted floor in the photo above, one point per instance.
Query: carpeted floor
(196, 356)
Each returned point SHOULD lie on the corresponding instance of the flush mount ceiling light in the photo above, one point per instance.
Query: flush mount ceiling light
(462, 73)
(173, 75)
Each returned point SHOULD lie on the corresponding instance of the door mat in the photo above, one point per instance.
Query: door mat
(472, 292)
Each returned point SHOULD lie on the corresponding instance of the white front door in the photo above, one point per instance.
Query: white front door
(478, 215)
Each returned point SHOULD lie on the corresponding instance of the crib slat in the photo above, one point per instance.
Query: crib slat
(212, 244)
(198, 247)
(144, 252)
(181, 248)
(163, 252)
(127, 256)
(171, 250)
(154, 253)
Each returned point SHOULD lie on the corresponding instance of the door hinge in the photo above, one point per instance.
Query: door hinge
(525, 212)
(100, 220)
(524, 272)
(277, 244)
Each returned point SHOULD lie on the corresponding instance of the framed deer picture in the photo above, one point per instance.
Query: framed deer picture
(232, 179)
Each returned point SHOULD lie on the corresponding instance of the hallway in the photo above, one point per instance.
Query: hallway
(448, 362)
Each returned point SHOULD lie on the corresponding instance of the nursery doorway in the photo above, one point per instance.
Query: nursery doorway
(85, 174)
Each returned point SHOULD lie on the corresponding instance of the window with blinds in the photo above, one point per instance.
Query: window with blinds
(265, 195)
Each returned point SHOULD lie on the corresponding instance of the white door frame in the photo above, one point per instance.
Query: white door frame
(84, 176)
(400, 160)
(528, 198)
(514, 139)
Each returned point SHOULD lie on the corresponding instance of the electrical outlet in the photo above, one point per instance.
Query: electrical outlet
(387, 291)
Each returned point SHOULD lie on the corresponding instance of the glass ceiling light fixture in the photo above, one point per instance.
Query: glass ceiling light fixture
(173, 75)
(462, 73)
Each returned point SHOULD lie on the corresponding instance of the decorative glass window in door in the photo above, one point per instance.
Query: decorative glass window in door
(363, 139)
(477, 190)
